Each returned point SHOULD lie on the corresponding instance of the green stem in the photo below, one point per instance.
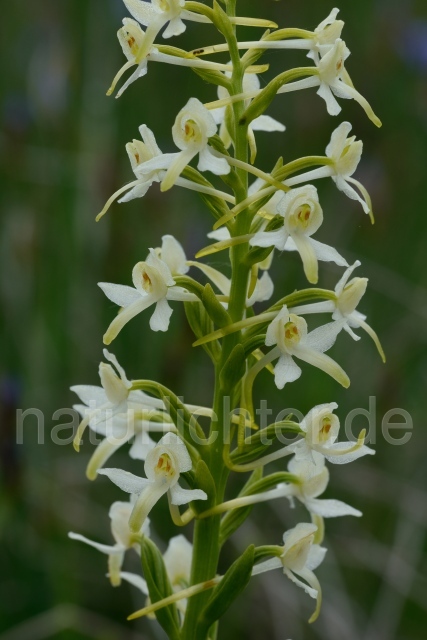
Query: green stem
(206, 546)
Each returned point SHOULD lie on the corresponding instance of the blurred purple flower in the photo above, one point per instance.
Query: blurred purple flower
(412, 45)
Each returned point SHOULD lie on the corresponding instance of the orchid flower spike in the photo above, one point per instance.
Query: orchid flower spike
(299, 559)
(344, 154)
(163, 466)
(125, 539)
(302, 216)
(287, 333)
(321, 428)
(154, 284)
(344, 309)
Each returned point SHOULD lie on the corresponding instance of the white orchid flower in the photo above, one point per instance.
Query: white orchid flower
(154, 284)
(177, 559)
(313, 479)
(299, 559)
(125, 539)
(345, 154)
(139, 51)
(193, 127)
(344, 309)
(333, 80)
(149, 165)
(163, 466)
(251, 83)
(112, 398)
(321, 428)
(287, 333)
(302, 216)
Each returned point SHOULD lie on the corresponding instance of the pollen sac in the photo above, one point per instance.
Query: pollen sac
(294, 330)
(165, 466)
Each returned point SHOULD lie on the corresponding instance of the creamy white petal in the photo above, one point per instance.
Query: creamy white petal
(184, 496)
(324, 337)
(267, 123)
(323, 362)
(328, 254)
(126, 315)
(91, 395)
(159, 321)
(286, 370)
(174, 28)
(135, 580)
(267, 565)
(144, 12)
(330, 508)
(208, 161)
(120, 294)
(141, 446)
(126, 481)
(103, 548)
(344, 458)
(316, 555)
(174, 256)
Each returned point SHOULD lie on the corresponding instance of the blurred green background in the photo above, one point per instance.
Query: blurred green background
(62, 155)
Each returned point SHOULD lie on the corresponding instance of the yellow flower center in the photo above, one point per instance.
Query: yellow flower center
(303, 215)
(325, 428)
(165, 465)
(147, 285)
(291, 332)
(192, 131)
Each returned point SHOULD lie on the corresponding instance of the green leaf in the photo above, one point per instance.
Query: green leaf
(224, 594)
(159, 587)
(234, 368)
(235, 518)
